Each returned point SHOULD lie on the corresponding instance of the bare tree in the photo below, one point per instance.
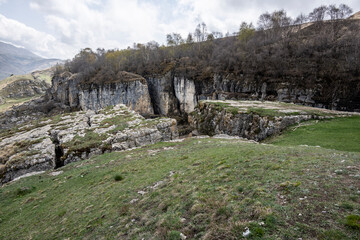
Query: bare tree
(345, 11)
(197, 33)
(264, 21)
(217, 35)
(302, 18)
(318, 14)
(333, 12)
(203, 31)
(189, 38)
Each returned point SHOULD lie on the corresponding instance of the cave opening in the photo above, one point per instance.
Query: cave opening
(59, 152)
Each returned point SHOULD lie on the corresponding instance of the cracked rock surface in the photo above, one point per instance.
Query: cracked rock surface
(54, 142)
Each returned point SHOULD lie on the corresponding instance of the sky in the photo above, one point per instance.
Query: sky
(61, 28)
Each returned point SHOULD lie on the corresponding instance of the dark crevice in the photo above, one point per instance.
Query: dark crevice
(59, 151)
(89, 121)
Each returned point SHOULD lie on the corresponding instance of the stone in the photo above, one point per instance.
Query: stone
(51, 143)
(129, 89)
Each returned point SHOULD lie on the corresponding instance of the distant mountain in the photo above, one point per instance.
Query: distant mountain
(15, 60)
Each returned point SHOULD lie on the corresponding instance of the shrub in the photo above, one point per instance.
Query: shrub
(353, 221)
(118, 177)
(23, 191)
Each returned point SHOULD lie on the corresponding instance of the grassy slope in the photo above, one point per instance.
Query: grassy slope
(341, 134)
(218, 188)
(40, 75)
(10, 102)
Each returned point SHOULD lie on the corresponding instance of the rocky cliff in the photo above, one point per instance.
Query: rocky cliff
(126, 88)
(253, 120)
(176, 94)
(172, 95)
(53, 142)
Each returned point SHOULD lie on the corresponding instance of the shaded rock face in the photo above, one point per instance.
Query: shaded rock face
(176, 94)
(24, 88)
(54, 142)
(209, 120)
(161, 90)
(68, 90)
(172, 95)
(2, 101)
(314, 93)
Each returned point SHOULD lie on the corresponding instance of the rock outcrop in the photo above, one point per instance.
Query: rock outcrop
(24, 88)
(229, 87)
(161, 90)
(252, 120)
(176, 94)
(172, 95)
(53, 142)
(126, 88)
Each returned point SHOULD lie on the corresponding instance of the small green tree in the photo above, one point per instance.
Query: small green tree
(246, 32)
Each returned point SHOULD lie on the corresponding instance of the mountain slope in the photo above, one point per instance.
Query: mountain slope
(15, 60)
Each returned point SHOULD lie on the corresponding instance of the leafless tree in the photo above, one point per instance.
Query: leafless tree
(318, 14)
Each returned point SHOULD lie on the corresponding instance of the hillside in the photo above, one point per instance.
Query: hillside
(198, 188)
(16, 61)
(18, 89)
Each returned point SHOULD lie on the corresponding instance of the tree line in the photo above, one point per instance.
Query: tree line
(279, 47)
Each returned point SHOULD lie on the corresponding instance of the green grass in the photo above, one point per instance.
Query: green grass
(202, 188)
(340, 134)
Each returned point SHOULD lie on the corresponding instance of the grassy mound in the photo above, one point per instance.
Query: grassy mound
(201, 188)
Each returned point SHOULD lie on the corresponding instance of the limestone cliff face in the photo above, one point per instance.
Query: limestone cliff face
(128, 89)
(171, 95)
(185, 93)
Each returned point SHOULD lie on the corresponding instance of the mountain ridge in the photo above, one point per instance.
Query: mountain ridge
(15, 60)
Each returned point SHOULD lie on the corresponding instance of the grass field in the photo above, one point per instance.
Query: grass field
(202, 188)
(340, 134)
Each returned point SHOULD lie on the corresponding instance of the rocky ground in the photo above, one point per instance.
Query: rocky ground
(53, 142)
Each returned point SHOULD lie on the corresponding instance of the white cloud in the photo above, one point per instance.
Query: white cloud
(76, 24)
(114, 24)
(40, 43)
